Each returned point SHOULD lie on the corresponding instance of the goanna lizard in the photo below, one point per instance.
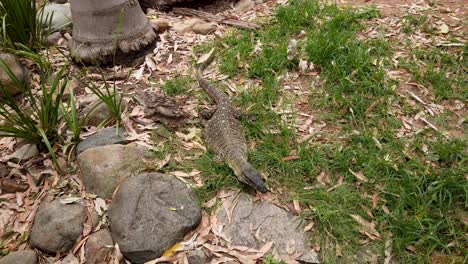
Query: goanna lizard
(223, 133)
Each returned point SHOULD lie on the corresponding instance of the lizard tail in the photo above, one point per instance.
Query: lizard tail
(217, 95)
(254, 179)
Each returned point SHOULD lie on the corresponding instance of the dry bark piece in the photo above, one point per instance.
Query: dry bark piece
(214, 18)
(162, 108)
(95, 24)
(12, 186)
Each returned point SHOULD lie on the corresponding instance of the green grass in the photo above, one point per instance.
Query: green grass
(445, 73)
(177, 86)
(420, 180)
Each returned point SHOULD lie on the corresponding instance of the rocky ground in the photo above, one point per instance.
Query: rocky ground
(112, 204)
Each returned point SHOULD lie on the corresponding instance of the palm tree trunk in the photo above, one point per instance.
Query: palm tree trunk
(104, 28)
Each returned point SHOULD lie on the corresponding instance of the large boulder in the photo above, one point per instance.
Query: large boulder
(252, 225)
(150, 213)
(12, 62)
(107, 136)
(99, 247)
(20, 257)
(59, 16)
(57, 226)
(103, 168)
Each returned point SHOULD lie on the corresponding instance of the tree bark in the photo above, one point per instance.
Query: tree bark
(104, 28)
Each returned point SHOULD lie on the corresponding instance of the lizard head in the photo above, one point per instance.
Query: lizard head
(254, 179)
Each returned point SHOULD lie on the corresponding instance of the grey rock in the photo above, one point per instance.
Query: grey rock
(97, 113)
(150, 213)
(59, 1)
(25, 152)
(197, 257)
(106, 136)
(20, 257)
(57, 226)
(12, 62)
(244, 6)
(255, 224)
(54, 38)
(204, 28)
(103, 168)
(69, 259)
(60, 13)
(98, 247)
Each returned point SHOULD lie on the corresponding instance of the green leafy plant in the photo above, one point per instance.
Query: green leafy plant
(107, 94)
(70, 114)
(21, 25)
(39, 115)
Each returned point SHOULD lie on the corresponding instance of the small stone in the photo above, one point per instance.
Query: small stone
(244, 6)
(150, 213)
(161, 24)
(97, 113)
(197, 257)
(24, 153)
(62, 164)
(60, 13)
(103, 168)
(54, 38)
(69, 259)
(185, 26)
(107, 136)
(12, 62)
(12, 186)
(98, 247)
(204, 28)
(254, 224)
(20, 257)
(57, 226)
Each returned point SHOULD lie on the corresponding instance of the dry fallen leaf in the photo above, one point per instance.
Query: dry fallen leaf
(368, 228)
(309, 226)
(171, 251)
(338, 251)
(443, 28)
(359, 175)
(288, 158)
(375, 200)
(323, 179)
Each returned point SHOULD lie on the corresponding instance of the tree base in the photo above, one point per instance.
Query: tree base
(126, 52)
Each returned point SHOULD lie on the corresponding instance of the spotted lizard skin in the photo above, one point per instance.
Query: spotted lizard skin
(223, 133)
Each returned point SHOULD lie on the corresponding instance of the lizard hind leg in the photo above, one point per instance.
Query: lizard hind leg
(207, 113)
